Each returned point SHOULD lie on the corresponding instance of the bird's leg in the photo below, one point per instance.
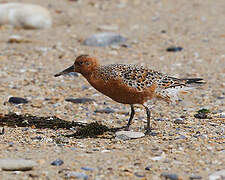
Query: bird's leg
(148, 129)
(131, 117)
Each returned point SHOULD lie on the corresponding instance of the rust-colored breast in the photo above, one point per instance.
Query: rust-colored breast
(120, 92)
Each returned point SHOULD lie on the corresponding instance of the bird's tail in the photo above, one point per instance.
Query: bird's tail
(193, 82)
(183, 87)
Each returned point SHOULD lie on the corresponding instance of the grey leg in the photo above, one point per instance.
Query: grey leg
(131, 117)
(148, 129)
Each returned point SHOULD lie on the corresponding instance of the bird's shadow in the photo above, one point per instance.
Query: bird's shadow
(82, 130)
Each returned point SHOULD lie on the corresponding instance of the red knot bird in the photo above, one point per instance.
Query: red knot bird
(131, 84)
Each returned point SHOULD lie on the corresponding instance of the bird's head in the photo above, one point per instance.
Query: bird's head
(83, 64)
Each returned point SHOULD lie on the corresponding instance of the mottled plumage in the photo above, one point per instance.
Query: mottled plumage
(130, 84)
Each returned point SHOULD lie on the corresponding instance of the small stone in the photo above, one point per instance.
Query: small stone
(33, 175)
(115, 47)
(104, 39)
(57, 162)
(126, 135)
(18, 100)
(201, 116)
(84, 87)
(220, 97)
(106, 110)
(148, 168)
(126, 45)
(140, 175)
(105, 151)
(2, 130)
(122, 137)
(161, 119)
(87, 169)
(36, 138)
(108, 27)
(153, 134)
(158, 158)
(77, 175)
(174, 49)
(10, 144)
(79, 100)
(181, 137)
(222, 115)
(16, 164)
(17, 39)
(195, 177)
(170, 176)
(218, 175)
(179, 121)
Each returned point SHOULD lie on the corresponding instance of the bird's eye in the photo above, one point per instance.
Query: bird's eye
(80, 63)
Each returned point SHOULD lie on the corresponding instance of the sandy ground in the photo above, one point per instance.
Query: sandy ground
(194, 148)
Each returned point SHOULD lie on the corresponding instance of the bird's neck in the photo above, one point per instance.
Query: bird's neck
(90, 73)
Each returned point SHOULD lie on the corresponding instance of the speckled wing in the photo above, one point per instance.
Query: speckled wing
(132, 75)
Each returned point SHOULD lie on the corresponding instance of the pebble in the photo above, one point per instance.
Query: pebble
(170, 176)
(87, 169)
(220, 97)
(23, 15)
(36, 138)
(2, 130)
(57, 162)
(181, 137)
(84, 87)
(18, 100)
(78, 175)
(16, 164)
(161, 119)
(153, 134)
(140, 175)
(222, 115)
(108, 27)
(106, 110)
(201, 116)
(10, 144)
(218, 175)
(79, 100)
(105, 151)
(126, 45)
(179, 121)
(148, 168)
(126, 135)
(104, 39)
(195, 177)
(158, 158)
(17, 39)
(174, 49)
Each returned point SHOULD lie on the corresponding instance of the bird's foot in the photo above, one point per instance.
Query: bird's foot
(126, 128)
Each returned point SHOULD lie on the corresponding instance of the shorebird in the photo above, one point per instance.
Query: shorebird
(131, 84)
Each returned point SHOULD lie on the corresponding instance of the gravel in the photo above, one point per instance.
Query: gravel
(49, 128)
